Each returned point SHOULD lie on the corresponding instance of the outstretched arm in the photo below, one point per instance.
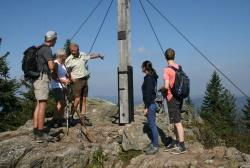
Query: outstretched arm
(95, 55)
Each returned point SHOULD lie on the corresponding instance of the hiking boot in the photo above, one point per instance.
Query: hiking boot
(57, 123)
(148, 147)
(170, 147)
(34, 133)
(152, 150)
(44, 138)
(179, 150)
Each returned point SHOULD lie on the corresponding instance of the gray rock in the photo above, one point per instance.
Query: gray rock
(13, 150)
(101, 111)
(134, 137)
(246, 157)
(54, 156)
(219, 152)
(209, 161)
(196, 147)
(137, 134)
(233, 154)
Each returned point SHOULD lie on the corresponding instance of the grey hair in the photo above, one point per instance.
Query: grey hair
(74, 45)
(60, 52)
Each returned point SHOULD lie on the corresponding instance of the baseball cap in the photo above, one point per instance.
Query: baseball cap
(50, 35)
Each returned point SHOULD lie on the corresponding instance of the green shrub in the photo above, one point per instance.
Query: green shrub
(98, 159)
(126, 156)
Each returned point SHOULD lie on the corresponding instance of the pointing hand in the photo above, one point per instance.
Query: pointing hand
(102, 57)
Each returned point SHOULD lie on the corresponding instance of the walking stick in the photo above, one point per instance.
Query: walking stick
(67, 113)
(90, 137)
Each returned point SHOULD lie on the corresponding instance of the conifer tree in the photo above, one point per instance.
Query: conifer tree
(246, 115)
(211, 105)
(228, 113)
(66, 46)
(9, 102)
(218, 107)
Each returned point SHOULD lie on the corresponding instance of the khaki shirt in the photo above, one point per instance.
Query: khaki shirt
(77, 67)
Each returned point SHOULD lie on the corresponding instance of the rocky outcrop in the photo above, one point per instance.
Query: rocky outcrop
(114, 145)
(196, 156)
(137, 135)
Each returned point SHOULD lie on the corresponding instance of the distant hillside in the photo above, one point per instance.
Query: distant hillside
(114, 99)
(240, 102)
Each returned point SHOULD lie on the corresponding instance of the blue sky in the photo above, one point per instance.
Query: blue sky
(219, 28)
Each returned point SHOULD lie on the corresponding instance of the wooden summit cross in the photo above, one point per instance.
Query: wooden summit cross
(125, 70)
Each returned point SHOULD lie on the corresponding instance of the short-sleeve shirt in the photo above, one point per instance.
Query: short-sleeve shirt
(61, 73)
(77, 66)
(44, 55)
(169, 74)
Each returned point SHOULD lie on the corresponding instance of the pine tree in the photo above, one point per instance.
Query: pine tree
(246, 115)
(211, 105)
(28, 102)
(9, 102)
(66, 46)
(219, 108)
(228, 113)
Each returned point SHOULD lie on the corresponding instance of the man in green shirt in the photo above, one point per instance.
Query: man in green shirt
(76, 65)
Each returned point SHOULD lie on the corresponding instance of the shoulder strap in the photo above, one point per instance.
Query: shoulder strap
(67, 74)
(172, 67)
(55, 74)
(175, 69)
(40, 46)
(56, 66)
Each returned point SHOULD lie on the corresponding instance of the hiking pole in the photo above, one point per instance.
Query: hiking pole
(67, 114)
(66, 108)
(83, 129)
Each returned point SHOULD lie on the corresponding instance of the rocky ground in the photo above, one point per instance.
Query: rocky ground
(113, 146)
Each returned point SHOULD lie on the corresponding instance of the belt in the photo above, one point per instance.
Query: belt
(83, 78)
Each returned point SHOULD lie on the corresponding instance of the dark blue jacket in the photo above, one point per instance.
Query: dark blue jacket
(149, 88)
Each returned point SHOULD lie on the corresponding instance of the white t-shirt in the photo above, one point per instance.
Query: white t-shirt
(62, 74)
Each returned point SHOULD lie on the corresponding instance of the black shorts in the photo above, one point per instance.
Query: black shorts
(174, 110)
(59, 94)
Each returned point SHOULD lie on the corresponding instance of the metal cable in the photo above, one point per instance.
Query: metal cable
(85, 21)
(152, 27)
(203, 55)
(101, 26)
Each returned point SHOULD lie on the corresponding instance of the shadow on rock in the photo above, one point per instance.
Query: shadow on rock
(166, 140)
